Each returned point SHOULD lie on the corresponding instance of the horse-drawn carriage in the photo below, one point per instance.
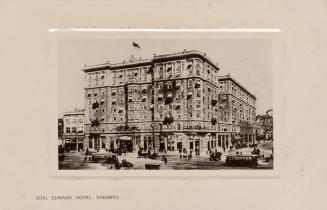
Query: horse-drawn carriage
(215, 156)
(149, 155)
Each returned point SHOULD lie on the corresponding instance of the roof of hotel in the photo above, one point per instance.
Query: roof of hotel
(75, 112)
(136, 62)
(228, 77)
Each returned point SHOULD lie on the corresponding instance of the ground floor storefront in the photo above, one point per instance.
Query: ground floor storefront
(72, 142)
(159, 142)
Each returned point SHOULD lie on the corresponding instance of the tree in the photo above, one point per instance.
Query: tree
(213, 121)
(95, 105)
(95, 123)
(168, 120)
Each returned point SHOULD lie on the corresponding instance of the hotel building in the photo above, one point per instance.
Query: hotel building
(169, 102)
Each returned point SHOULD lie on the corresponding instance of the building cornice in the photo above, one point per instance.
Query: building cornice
(156, 58)
(253, 106)
(228, 77)
(142, 83)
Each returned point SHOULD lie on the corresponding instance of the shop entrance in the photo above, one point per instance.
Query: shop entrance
(179, 145)
(125, 143)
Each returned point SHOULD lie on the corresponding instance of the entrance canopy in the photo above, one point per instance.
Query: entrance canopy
(125, 138)
(236, 137)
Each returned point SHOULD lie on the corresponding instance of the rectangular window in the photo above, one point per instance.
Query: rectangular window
(198, 94)
(67, 130)
(169, 72)
(160, 86)
(160, 72)
(169, 85)
(73, 129)
(178, 68)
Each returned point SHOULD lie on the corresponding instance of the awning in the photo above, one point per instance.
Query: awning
(125, 138)
(236, 136)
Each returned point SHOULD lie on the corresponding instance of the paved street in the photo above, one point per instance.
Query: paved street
(75, 161)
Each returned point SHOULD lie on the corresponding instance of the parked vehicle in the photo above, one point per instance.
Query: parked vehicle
(153, 156)
(241, 160)
(256, 151)
(152, 166)
(215, 156)
(126, 164)
(101, 155)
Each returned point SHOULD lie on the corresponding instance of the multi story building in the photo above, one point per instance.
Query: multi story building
(265, 126)
(237, 111)
(60, 130)
(73, 130)
(167, 102)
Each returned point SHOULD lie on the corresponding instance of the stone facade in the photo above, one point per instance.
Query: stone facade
(73, 130)
(169, 102)
(265, 126)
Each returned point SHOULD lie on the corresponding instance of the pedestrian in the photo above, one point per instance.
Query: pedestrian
(164, 159)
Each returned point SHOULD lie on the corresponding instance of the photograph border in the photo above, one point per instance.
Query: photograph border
(278, 56)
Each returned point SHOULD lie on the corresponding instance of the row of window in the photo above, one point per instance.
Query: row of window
(193, 67)
(230, 87)
(69, 121)
(74, 130)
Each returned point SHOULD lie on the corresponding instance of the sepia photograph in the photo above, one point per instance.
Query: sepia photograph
(165, 104)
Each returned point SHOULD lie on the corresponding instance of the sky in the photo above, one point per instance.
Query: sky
(249, 61)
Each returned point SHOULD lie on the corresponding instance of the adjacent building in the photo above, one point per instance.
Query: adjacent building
(237, 111)
(265, 126)
(168, 102)
(60, 131)
(73, 130)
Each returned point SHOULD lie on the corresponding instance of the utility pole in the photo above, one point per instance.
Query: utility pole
(152, 124)
(152, 106)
